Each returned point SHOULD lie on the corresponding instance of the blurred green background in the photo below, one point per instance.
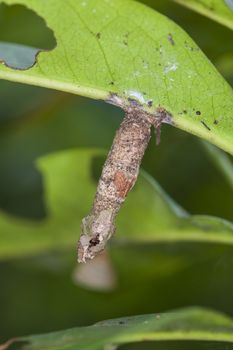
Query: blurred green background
(39, 293)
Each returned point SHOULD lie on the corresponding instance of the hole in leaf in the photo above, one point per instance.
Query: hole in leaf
(21, 190)
(23, 35)
(229, 3)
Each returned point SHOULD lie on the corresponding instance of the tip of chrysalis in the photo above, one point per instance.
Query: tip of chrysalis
(95, 232)
(87, 250)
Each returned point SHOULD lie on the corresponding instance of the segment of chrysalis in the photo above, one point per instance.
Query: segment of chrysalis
(118, 176)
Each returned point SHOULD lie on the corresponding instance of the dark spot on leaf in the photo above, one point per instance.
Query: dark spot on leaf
(170, 39)
(121, 322)
(215, 121)
(198, 113)
(111, 83)
(150, 103)
(184, 111)
(125, 42)
(98, 35)
(205, 125)
(19, 49)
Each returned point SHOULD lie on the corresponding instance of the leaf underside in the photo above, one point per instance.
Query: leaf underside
(121, 51)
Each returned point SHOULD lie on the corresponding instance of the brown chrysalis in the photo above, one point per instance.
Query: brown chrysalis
(118, 176)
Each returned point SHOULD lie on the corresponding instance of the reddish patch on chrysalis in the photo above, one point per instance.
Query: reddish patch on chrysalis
(122, 184)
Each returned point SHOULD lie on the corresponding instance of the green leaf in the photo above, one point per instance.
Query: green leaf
(160, 219)
(122, 50)
(219, 10)
(184, 324)
(69, 190)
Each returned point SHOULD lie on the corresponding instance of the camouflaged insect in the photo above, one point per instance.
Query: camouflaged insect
(119, 175)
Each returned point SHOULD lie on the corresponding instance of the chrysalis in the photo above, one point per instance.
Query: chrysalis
(118, 176)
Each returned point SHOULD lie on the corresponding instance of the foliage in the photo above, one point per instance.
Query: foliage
(52, 146)
(154, 62)
(183, 324)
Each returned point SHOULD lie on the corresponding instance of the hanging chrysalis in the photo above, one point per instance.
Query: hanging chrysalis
(118, 176)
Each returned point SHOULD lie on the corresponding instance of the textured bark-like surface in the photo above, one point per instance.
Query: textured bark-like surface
(119, 175)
